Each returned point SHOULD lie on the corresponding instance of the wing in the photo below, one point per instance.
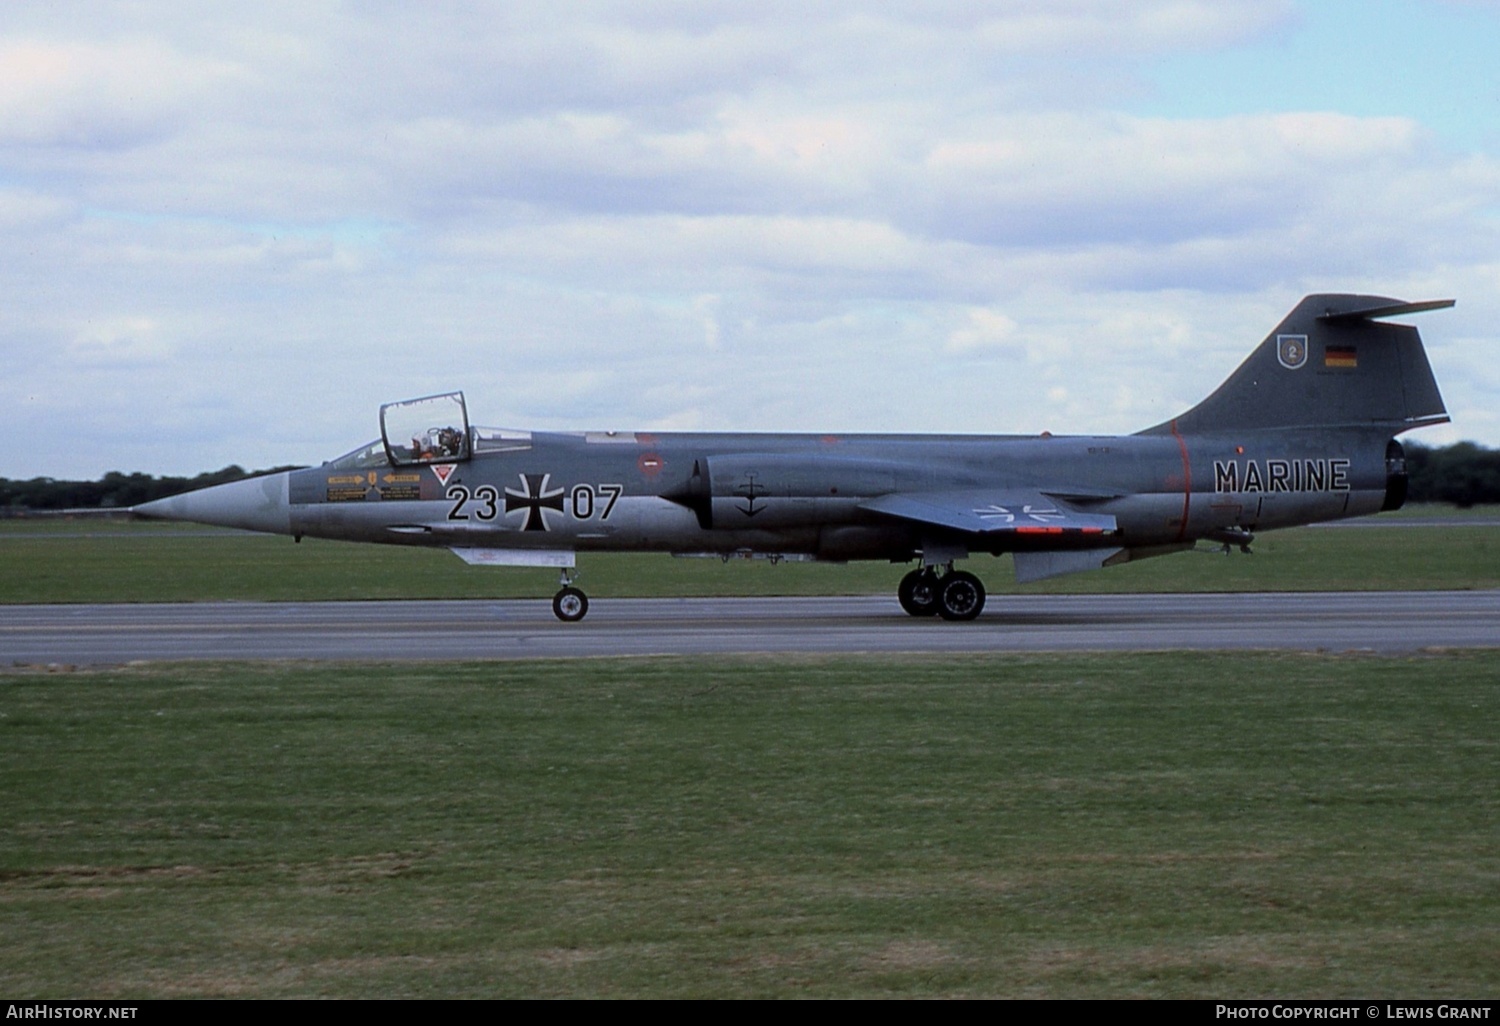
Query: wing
(992, 511)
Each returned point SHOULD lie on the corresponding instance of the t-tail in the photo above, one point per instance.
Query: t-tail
(1330, 364)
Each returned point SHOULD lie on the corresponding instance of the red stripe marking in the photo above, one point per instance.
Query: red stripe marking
(1058, 530)
(1187, 481)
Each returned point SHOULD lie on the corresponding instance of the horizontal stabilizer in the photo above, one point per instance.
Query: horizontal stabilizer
(992, 511)
(1373, 307)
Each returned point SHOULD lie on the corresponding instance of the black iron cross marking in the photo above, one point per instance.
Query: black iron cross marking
(533, 500)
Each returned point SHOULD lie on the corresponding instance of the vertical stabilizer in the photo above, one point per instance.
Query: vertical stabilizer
(1329, 363)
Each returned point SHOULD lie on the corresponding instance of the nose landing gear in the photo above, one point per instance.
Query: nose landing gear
(570, 604)
(955, 595)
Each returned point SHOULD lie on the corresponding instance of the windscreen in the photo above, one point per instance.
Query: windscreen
(372, 455)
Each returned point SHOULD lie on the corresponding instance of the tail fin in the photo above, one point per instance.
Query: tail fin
(1328, 364)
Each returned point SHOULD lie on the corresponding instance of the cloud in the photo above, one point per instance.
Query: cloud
(982, 329)
(93, 95)
(122, 342)
(711, 215)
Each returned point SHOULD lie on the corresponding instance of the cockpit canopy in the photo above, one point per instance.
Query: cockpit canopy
(433, 429)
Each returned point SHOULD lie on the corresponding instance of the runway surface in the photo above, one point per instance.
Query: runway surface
(112, 634)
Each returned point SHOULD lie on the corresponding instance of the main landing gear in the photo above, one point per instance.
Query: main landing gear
(955, 595)
(570, 604)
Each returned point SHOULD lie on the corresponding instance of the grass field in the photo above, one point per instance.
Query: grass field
(1208, 825)
(1152, 825)
(99, 561)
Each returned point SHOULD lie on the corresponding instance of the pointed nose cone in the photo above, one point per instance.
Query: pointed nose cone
(258, 504)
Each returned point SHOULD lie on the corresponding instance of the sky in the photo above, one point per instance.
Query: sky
(230, 233)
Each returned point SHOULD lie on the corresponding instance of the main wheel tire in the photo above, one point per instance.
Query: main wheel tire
(570, 605)
(960, 596)
(918, 593)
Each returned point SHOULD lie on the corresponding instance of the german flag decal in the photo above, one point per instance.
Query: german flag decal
(1340, 356)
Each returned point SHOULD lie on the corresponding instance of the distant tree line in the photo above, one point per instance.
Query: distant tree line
(113, 491)
(1463, 474)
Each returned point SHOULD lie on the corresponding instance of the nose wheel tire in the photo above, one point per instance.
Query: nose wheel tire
(918, 592)
(960, 596)
(570, 605)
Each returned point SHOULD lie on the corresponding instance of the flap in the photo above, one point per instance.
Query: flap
(991, 511)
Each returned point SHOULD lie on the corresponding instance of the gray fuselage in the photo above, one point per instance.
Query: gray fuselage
(803, 494)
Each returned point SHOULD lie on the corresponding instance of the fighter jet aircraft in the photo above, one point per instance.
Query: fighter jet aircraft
(1305, 430)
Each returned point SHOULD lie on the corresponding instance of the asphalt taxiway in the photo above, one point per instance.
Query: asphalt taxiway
(526, 629)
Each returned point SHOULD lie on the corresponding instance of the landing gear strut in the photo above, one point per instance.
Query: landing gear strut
(956, 595)
(570, 604)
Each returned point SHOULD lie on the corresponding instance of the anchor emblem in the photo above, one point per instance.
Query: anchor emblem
(749, 491)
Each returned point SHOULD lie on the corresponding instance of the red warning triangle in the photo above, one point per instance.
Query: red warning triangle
(442, 470)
